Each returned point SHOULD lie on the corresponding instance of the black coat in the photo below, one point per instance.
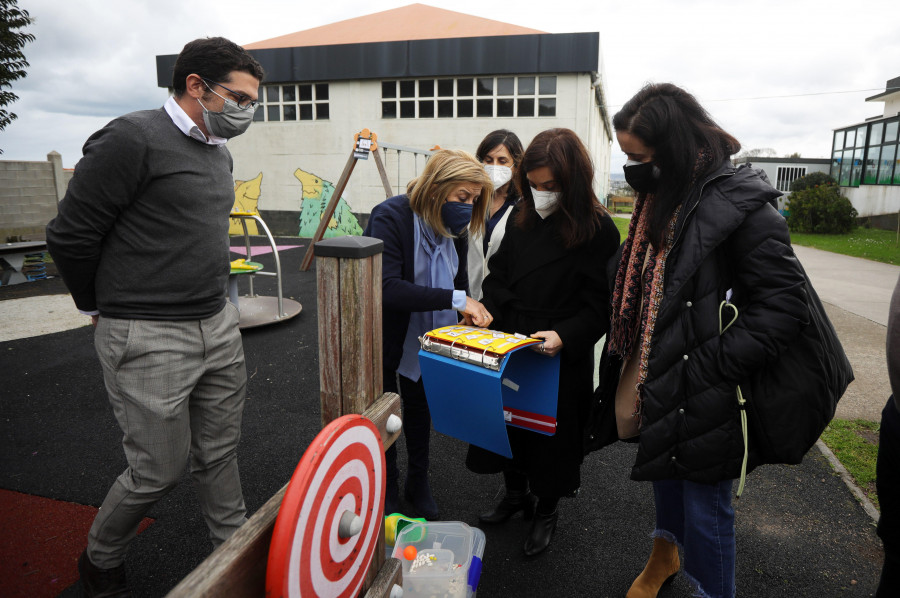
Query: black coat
(728, 237)
(535, 284)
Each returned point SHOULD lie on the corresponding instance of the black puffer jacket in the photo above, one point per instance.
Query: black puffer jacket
(728, 237)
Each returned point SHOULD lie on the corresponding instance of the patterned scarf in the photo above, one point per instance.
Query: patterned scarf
(634, 283)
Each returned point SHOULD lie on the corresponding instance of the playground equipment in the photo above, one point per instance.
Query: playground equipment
(365, 143)
(348, 276)
(257, 310)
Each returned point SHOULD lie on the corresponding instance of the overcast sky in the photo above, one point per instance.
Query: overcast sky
(776, 74)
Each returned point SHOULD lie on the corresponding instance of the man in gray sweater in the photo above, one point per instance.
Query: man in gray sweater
(141, 240)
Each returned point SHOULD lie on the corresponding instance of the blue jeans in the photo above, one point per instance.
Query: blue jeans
(700, 519)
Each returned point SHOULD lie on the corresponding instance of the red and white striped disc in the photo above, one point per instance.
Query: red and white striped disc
(342, 470)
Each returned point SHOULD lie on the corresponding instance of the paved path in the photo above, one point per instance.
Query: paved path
(859, 286)
(857, 295)
(800, 531)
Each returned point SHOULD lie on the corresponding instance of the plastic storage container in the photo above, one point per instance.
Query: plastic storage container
(447, 562)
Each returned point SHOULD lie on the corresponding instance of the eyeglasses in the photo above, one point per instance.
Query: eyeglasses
(243, 100)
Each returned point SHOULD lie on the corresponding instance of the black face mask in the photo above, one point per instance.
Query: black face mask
(642, 176)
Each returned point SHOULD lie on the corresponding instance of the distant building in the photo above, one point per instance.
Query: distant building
(418, 77)
(784, 171)
(865, 160)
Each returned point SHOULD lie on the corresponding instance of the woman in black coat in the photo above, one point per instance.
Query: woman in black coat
(548, 279)
(702, 232)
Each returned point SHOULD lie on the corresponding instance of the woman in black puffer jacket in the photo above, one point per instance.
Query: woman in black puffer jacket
(702, 232)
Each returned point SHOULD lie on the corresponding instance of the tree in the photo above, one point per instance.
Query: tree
(12, 60)
(794, 155)
(757, 152)
(813, 179)
(820, 209)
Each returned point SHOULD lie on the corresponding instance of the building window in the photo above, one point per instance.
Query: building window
(785, 175)
(293, 102)
(866, 154)
(468, 97)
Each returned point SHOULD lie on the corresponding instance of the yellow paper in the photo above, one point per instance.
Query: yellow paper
(481, 339)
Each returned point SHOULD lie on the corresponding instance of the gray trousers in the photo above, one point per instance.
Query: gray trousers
(177, 390)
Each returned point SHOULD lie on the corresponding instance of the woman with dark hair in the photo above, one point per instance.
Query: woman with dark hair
(702, 232)
(500, 152)
(548, 279)
(424, 286)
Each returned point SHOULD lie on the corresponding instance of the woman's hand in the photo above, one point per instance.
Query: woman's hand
(552, 343)
(476, 314)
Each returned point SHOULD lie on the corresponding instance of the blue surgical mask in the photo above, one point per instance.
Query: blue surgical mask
(456, 216)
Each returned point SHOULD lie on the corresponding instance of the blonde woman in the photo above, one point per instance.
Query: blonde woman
(425, 286)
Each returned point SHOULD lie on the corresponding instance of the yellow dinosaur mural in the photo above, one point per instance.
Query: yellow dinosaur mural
(316, 194)
(246, 198)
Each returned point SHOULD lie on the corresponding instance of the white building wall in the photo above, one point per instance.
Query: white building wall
(892, 106)
(873, 200)
(323, 147)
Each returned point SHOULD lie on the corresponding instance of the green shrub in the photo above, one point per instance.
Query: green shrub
(820, 209)
(811, 180)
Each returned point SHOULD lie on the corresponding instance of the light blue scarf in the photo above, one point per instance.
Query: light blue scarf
(435, 265)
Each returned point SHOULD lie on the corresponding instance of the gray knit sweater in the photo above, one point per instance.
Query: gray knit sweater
(143, 229)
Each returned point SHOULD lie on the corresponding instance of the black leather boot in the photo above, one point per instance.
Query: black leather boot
(513, 502)
(542, 529)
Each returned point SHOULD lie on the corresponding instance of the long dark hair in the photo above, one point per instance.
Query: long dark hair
(513, 145)
(577, 215)
(672, 123)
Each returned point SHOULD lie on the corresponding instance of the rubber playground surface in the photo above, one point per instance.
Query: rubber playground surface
(800, 531)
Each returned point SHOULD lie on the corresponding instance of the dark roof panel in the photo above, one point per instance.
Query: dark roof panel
(510, 54)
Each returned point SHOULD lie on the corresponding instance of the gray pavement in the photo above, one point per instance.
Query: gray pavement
(859, 286)
(856, 293)
(800, 531)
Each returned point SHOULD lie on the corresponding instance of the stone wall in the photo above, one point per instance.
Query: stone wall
(29, 192)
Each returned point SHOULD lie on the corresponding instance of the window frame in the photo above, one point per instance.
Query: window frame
(310, 99)
(857, 161)
(472, 97)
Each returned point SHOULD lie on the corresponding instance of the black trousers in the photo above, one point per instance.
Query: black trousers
(416, 427)
(887, 483)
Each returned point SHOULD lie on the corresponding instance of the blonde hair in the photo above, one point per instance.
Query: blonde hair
(444, 172)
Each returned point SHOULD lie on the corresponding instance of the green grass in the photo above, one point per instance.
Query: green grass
(855, 444)
(870, 243)
(622, 225)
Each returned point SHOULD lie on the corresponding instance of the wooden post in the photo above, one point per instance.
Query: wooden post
(376, 155)
(348, 278)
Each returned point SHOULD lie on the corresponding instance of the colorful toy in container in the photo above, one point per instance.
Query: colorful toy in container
(394, 524)
(446, 559)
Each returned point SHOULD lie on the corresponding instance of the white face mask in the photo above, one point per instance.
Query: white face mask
(500, 175)
(544, 202)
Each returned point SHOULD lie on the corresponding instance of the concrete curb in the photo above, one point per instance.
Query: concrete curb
(867, 505)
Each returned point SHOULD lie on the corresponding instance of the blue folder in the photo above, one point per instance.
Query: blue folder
(475, 404)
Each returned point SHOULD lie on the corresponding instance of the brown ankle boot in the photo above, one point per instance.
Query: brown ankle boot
(661, 568)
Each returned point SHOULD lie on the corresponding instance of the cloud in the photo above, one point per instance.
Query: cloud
(93, 61)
